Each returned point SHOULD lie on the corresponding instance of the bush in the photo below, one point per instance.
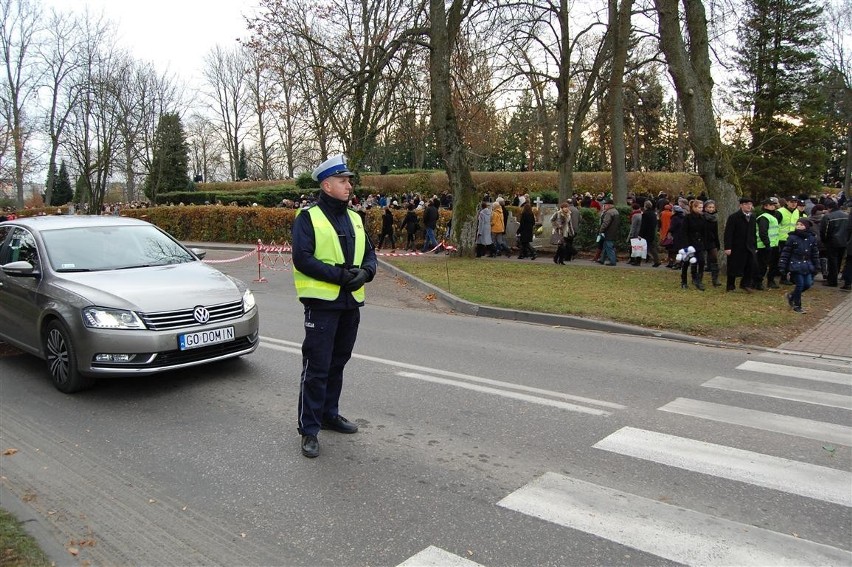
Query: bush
(306, 182)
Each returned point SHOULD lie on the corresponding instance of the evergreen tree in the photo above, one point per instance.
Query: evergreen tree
(521, 139)
(62, 191)
(242, 167)
(781, 150)
(170, 163)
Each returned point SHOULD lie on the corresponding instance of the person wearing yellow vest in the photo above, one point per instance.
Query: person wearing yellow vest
(332, 260)
(768, 250)
(790, 214)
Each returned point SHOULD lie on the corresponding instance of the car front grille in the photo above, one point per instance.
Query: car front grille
(165, 320)
(180, 357)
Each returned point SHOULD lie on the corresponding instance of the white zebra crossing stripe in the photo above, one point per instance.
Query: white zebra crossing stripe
(436, 557)
(664, 530)
(804, 479)
(766, 421)
(781, 392)
(797, 372)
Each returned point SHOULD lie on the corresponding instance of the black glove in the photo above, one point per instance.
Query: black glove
(359, 278)
(345, 276)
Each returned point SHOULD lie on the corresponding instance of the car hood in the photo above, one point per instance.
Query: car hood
(153, 289)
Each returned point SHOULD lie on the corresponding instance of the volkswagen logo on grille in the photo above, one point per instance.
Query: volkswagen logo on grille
(201, 314)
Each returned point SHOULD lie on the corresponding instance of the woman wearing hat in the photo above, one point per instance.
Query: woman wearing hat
(800, 257)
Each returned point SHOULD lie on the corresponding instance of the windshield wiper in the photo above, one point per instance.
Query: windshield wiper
(68, 270)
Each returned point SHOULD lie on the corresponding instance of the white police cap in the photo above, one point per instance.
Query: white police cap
(333, 166)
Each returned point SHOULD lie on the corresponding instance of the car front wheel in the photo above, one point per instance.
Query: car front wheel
(62, 360)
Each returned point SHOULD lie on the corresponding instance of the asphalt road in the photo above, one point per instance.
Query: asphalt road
(481, 442)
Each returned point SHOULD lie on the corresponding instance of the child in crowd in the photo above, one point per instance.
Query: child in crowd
(800, 257)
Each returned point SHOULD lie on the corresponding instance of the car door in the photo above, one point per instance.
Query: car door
(19, 303)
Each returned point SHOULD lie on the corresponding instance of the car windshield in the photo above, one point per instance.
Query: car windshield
(96, 248)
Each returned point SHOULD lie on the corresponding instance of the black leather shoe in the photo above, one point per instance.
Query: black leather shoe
(310, 446)
(340, 424)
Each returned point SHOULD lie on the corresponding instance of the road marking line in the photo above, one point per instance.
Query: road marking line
(504, 393)
(797, 372)
(436, 557)
(664, 530)
(780, 392)
(296, 348)
(804, 479)
(766, 421)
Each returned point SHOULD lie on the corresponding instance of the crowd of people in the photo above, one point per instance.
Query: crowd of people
(790, 241)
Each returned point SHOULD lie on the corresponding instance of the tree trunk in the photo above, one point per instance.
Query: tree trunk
(619, 25)
(690, 71)
(848, 175)
(443, 32)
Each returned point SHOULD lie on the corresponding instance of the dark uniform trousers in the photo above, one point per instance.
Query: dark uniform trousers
(329, 340)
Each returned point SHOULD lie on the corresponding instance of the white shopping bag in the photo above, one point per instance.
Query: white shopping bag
(638, 248)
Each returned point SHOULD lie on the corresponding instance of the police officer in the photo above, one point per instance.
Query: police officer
(332, 260)
(768, 239)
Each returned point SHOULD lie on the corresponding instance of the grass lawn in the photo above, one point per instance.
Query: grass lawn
(648, 297)
(17, 549)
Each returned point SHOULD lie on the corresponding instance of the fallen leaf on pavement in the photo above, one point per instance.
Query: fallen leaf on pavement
(9, 452)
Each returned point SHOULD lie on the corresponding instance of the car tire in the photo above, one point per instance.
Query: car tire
(62, 360)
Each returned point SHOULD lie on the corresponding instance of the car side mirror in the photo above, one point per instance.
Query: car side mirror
(21, 269)
(201, 253)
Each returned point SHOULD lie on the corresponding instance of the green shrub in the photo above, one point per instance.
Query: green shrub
(305, 181)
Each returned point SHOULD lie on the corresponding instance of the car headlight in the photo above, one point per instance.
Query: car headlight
(248, 301)
(103, 318)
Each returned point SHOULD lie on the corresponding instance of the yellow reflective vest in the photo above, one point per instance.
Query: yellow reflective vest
(788, 222)
(328, 251)
(772, 231)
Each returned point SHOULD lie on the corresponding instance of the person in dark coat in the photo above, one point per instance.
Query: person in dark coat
(678, 237)
(430, 224)
(800, 257)
(713, 244)
(525, 232)
(648, 231)
(387, 229)
(740, 246)
(411, 226)
(695, 233)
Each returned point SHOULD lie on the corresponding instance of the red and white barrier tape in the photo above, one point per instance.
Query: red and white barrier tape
(272, 256)
(237, 259)
(443, 246)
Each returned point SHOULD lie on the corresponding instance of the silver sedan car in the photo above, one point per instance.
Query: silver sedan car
(110, 296)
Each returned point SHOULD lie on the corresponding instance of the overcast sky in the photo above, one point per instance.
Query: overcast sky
(173, 34)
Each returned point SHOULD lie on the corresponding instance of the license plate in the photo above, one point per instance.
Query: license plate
(204, 338)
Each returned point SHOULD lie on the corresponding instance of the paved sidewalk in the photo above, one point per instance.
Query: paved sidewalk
(831, 336)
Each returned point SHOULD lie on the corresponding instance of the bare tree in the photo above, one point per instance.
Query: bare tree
(444, 29)
(19, 30)
(61, 57)
(262, 94)
(568, 64)
(93, 125)
(226, 73)
(619, 23)
(688, 60)
(142, 96)
(346, 57)
(205, 148)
